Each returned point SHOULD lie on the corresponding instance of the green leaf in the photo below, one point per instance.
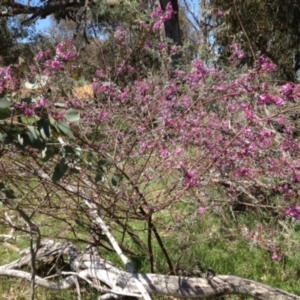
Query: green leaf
(8, 140)
(1, 137)
(34, 138)
(116, 180)
(9, 193)
(27, 100)
(49, 152)
(99, 177)
(72, 115)
(23, 139)
(68, 150)
(63, 166)
(38, 144)
(43, 127)
(5, 113)
(59, 170)
(64, 128)
(34, 134)
(104, 162)
(78, 151)
(5, 101)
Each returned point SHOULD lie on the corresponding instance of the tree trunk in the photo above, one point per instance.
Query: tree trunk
(172, 28)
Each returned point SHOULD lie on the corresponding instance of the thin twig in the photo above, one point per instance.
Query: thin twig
(237, 15)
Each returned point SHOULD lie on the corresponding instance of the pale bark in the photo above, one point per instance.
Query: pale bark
(118, 283)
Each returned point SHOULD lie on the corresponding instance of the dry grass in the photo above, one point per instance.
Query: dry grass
(83, 92)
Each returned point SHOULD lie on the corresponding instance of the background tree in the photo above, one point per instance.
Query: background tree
(7, 41)
(13, 36)
(270, 28)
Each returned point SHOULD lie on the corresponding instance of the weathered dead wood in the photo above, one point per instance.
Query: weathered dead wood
(96, 271)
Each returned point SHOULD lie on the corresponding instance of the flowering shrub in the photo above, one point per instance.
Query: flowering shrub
(202, 125)
(146, 144)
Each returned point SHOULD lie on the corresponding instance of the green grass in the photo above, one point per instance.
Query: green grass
(205, 239)
(220, 240)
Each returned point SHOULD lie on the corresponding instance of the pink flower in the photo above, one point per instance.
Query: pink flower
(280, 120)
(65, 50)
(293, 212)
(42, 55)
(278, 101)
(275, 256)
(178, 151)
(147, 46)
(236, 51)
(265, 87)
(174, 49)
(42, 103)
(162, 46)
(287, 89)
(242, 172)
(28, 112)
(156, 13)
(39, 56)
(120, 34)
(121, 70)
(100, 73)
(266, 64)
(54, 64)
(191, 179)
(164, 153)
(131, 69)
(201, 210)
(297, 91)
(260, 226)
(264, 99)
(169, 12)
(220, 13)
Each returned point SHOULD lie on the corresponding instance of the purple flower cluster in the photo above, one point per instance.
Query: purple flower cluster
(160, 16)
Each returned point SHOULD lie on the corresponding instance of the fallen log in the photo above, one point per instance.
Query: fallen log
(114, 282)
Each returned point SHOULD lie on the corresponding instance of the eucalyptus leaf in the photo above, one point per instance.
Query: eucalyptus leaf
(27, 100)
(9, 193)
(49, 152)
(5, 101)
(63, 166)
(68, 150)
(99, 177)
(43, 126)
(1, 137)
(59, 171)
(116, 180)
(104, 162)
(5, 113)
(72, 115)
(38, 144)
(64, 128)
(23, 139)
(33, 131)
